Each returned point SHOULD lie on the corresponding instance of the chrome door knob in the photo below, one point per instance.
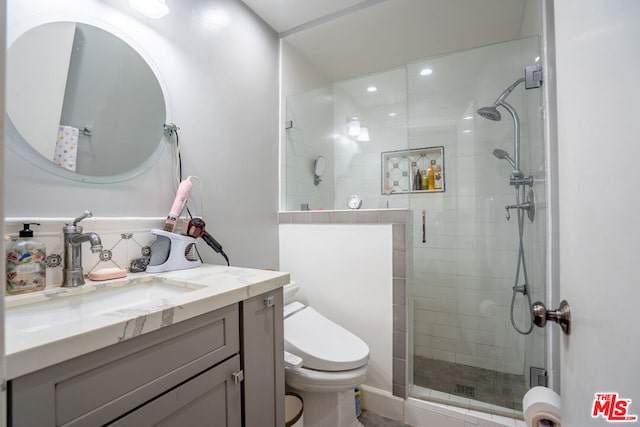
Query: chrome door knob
(562, 315)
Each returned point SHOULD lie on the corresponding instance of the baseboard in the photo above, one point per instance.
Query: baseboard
(382, 403)
(421, 413)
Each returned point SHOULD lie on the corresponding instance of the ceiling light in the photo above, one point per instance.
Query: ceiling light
(467, 118)
(363, 136)
(155, 9)
(393, 114)
(372, 89)
(353, 127)
(426, 72)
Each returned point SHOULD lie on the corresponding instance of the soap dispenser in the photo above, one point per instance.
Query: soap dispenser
(26, 263)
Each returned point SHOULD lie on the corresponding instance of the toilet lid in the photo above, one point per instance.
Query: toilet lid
(322, 344)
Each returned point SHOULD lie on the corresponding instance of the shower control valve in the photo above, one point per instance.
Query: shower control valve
(528, 206)
(525, 206)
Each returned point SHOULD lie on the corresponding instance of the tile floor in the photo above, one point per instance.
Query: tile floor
(370, 419)
(496, 388)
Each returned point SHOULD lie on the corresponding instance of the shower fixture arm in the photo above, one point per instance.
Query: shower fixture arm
(507, 92)
(516, 131)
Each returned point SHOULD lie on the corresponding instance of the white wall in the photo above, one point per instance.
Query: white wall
(598, 132)
(345, 273)
(222, 81)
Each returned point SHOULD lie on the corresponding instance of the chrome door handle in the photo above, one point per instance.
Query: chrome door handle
(562, 315)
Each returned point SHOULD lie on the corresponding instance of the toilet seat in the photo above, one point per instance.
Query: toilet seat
(322, 344)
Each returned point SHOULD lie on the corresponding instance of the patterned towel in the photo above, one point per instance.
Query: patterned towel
(66, 148)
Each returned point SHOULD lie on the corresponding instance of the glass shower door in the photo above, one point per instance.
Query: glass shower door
(466, 351)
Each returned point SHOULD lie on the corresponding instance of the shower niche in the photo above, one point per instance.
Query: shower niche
(409, 171)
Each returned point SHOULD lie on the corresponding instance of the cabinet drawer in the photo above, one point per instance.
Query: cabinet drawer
(100, 386)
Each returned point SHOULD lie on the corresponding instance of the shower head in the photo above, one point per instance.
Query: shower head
(501, 154)
(490, 113)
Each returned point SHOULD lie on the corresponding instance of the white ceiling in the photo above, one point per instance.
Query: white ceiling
(283, 15)
(348, 38)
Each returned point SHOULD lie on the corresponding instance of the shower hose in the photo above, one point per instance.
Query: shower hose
(520, 196)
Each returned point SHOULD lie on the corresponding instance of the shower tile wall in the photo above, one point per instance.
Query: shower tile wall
(464, 273)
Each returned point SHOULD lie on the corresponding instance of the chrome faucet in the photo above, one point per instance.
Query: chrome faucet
(72, 274)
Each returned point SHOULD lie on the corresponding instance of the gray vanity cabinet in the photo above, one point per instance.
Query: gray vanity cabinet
(263, 364)
(187, 374)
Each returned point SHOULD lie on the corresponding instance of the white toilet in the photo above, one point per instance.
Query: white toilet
(323, 363)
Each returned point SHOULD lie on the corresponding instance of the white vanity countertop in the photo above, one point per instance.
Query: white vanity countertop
(210, 287)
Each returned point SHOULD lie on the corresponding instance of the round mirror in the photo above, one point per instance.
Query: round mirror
(83, 104)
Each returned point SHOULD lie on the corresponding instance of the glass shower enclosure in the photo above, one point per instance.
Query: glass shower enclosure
(463, 254)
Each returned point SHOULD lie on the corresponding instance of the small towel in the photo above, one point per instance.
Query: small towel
(66, 148)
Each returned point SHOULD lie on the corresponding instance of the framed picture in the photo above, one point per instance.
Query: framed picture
(419, 170)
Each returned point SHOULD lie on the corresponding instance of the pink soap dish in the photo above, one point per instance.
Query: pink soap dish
(107, 273)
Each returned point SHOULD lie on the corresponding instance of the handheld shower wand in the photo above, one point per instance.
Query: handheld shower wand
(501, 154)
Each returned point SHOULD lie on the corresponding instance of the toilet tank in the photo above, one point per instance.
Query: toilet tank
(290, 290)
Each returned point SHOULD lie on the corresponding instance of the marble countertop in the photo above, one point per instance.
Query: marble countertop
(208, 287)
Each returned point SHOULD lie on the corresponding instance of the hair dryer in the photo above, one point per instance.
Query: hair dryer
(196, 229)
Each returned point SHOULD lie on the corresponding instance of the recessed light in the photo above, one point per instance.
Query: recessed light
(426, 72)
(466, 131)
(372, 89)
(467, 118)
(393, 114)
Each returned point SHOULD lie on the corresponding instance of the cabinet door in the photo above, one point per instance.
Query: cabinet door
(210, 399)
(263, 360)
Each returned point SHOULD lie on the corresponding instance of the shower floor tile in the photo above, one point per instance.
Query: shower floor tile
(496, 388)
